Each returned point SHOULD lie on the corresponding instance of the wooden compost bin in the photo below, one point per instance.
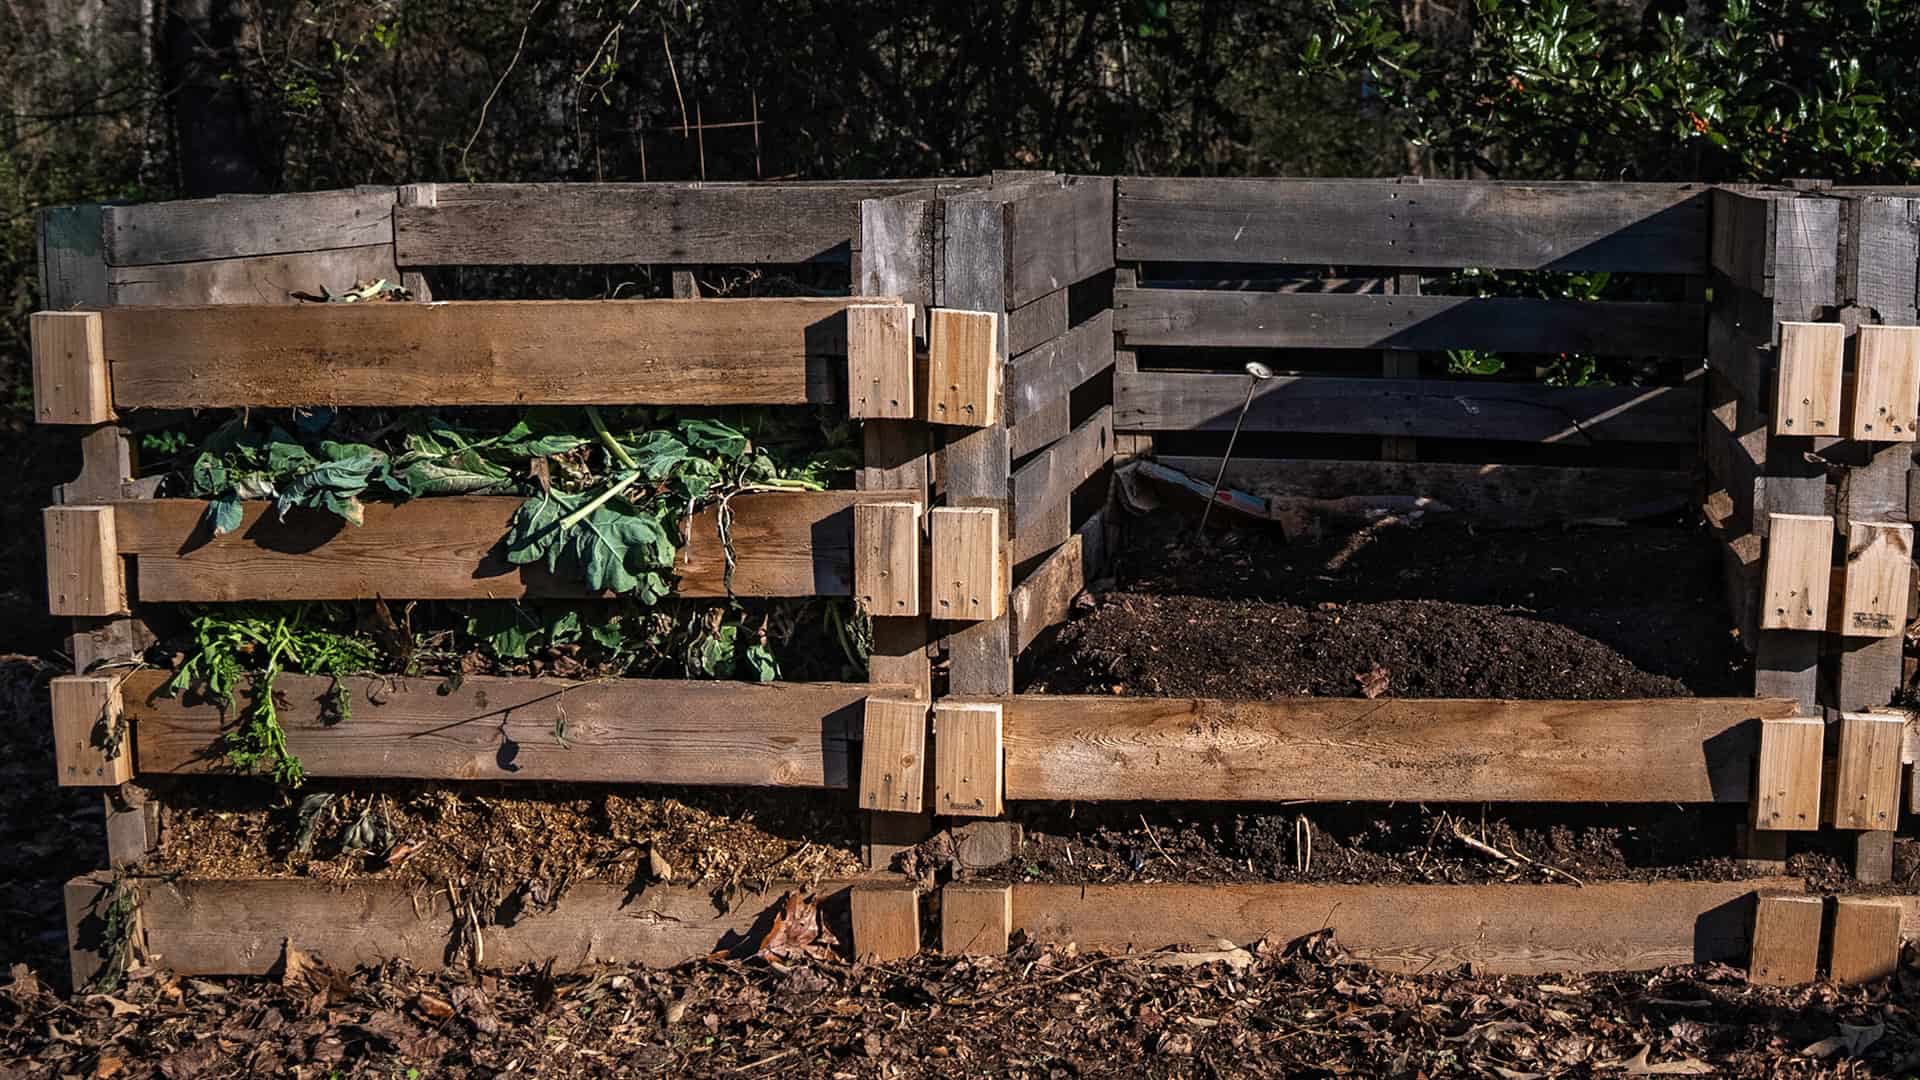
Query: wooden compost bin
(1191, 277)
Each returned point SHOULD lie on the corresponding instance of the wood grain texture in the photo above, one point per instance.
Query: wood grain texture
(880, 361)
(256, 279)
(1798, 572)
(1786, 940)
(628, 731)
(963, 368)
(1037, 322)
(588, 224)
(84, 571)
(1046, 596)
(893, 755)
(969, 568)
(1277, 320)
(1807, 395)
(1048, 374)
(240, 927)
(1646, 228)
(1424, 408)
(70, 383)
(704, 352)
(1866, 939)
(1875, 580)
(89, 740)
(1059, 234)
(886, 922)
(787, 544)
(1500, 929)
(1864, 790)
(238, 226)
(967, 775)
(1885, 404)
(886, 558)
(1677, 750)
(1787, 775)
(1507, 495)
(73, 269)
(1057, 472)
(976, 919)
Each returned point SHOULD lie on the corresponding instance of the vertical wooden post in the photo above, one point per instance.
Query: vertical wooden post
(968, 777)
(975, 919)
(886, 558)
(84, 575)
(71, 384)
(415, 281)
(1787, 774)
(1401, 364)
(886, 922)
(1866, 939)
(1786, 940)
(893, 759)
(90, 739)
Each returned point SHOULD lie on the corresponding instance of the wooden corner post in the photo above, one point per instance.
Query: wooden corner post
(70, 380)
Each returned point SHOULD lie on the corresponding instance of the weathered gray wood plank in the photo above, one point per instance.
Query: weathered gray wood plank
(238, 226)
(1426, 408)
(1052, 476)
(1059, 237)
(1178, 317)
(1648, 228)
(1051, 372)
(73, 270)
(255, 279)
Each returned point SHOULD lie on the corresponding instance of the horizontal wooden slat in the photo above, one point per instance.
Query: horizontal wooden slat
(1327, 749)
(1271, 320)
(1646, 228)
(236, 226)
(255, 279)
(580, 224)
(669, 352)
(787, 544)
(626, 731)
(1051, 477)
(1428, 408)
(1507, 495)
(1046, 596)
(1499, 929)
(1059, 236)
(1049, 373)
(241, 927)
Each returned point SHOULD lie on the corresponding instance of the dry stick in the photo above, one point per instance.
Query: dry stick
(485, 105)
(1520, 862)
(1156, 840)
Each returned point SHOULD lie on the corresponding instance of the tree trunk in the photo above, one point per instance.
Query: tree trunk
(224, 143)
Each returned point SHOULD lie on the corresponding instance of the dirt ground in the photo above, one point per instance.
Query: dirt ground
(1442, 610)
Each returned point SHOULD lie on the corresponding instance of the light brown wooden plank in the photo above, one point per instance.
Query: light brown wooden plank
(1500, 929)
(1875, 579)
(787, 544)
(963, 368)
(1506, 495)
(582, 224)
(84, 575)
(1046, 596)
(1786, 940)
(241, 927)
(236, 226)
(893, 756)
(257, 279)
(880, 361)
(1788, 772)
(1056, 472)
(976, 919)
(886, 922)
(969, 570)
(1799, 563)
(1885, 405)
(1807, 395)
(1418, 408)
(90, 740)
(967, 776)
(1280, 320)
(1649, 228)
(1865, 789)
(1326, 749)
(509, 352)
(886, 558)
(659, 731)
(1866, 939)
(70, 383)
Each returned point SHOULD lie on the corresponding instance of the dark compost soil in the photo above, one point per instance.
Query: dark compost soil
(1440, 610)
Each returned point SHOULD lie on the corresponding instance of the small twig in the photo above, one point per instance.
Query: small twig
(763, 1061)
(1022, 984)
(491, 94)
(1517, 861)
(1156, 840)
(1302, 845)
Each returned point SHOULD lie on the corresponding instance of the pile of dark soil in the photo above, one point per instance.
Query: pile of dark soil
(513, 846)
(1276, 1009)
(1400, 844)
(1441, 610)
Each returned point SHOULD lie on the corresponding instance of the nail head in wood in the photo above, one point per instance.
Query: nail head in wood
(886, 922)
(1798, 572)
(1866, 939)
(1786, 792)
(963, 368)
(880, 361)
(967, 772)
(84, 575)
(886, 558)
(969, 578)
(1886, 384)
(1786, 940)
(1865, 793)
(893, 756)
(975, 919)
(70, 380)
(1807, 382)
(90, 738)
(1875, 579)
